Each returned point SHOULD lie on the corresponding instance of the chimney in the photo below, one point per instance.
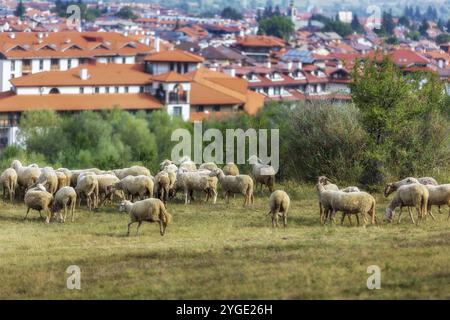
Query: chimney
(289, 65)
(299, 65)
(230, 71)
(12, 35)
(84, 75)
(268, 64)
(339, 65)
(157, 44)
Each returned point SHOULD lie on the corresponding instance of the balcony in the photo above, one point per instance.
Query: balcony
(175, 98)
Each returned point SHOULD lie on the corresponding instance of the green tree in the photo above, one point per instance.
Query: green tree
(231, 13)
(126, 12)
(341, 28)
(20, 10)
(356, 25)
(443, 38)
(424, 26)
(278, 26)
(404, 21)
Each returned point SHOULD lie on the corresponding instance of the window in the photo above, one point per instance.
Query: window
(13, 65)
(116, 89)
(41, 64)
(141, 89)
(124, 60)
(107, 89)
(127, 89)
(172, 66)
(54, 64)
(177, 111)
(277, 90)
(97, 89)
(216, 108)
(81, 90)
(200, 108)
(69, 63)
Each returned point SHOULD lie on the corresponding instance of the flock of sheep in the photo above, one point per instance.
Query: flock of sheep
(420, 193)
(144, 197)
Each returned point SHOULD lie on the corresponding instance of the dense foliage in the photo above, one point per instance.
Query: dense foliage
(278, 26)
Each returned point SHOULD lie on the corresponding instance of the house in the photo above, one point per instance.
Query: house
(23, 53)
(172, 80)
(259, 48)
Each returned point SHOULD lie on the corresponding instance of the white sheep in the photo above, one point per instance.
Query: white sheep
(262, 173)
(190, 181)
(87, 186)
(65, 198)
(230, 169)
(8, 180)
(26, 176)
(150, 210)
(438, 196)
(354, 203)
(326, 185)
(39, 200)
(242, 184)
(409, 195)
(135, 186)
(279, 205)
(132, 171)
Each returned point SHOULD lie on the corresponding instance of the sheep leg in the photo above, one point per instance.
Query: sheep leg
(432, 216)
(162, 228)
(49, 215)
(137, 229)
(73, 211)
(273, 221)
(411, 216)
(285, 219)
(321, 213)
(343, 217)
(215, 196)
(129, 226)
(28, 210)
(349, 217)
(357, 219)
(400, 215)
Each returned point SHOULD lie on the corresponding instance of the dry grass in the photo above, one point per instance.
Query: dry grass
(222, 252)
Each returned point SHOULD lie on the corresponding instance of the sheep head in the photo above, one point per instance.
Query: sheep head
(388, 215)
(389, 189)
(123, 205)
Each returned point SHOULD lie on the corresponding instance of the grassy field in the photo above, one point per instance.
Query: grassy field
(223, 252)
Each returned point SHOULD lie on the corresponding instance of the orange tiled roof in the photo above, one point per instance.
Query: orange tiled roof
(99, 74)
(70, 102)
(260, 41)
(68, 44)
(174, 55)
(170, 76)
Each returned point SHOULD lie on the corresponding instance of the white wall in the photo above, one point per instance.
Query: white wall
(74, 90)
(185, 110)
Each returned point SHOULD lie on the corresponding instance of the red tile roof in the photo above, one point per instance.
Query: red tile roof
(174, 55)
(260, 41)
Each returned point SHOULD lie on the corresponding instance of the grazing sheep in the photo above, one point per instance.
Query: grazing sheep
(162, 186)
(409, 195)
(105, 183)
(39, 200)
(132, 171)
(8, 180)
(26, 176)
(230, 169)
(191, 181)
(150, 210)
(262, 173)
(242, 184)
(354, 203)
(140, 186)
(68, 174)
(63, 180)
(76, 173)
(279, 205)
(391, 187)
(351, 189)
(49, 179)
(438, 196)
(208, 166)
(324, 201)
(65, 198)
(87, 186)
(187, 164)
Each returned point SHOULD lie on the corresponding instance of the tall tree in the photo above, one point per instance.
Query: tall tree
(20, 10)
(424, 26)
(356, 25)
(278, 26)
(231, 13)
